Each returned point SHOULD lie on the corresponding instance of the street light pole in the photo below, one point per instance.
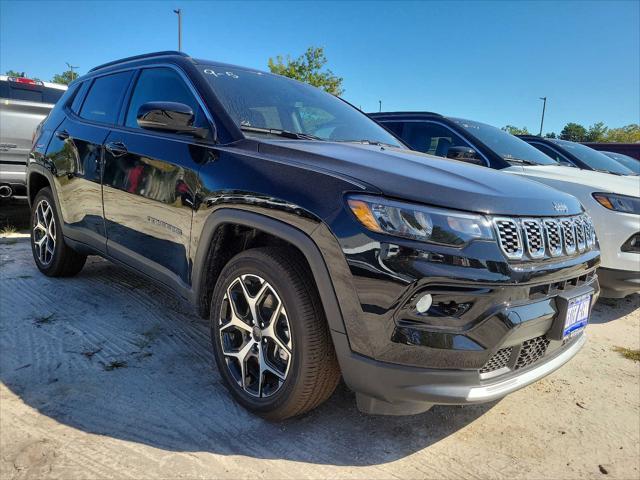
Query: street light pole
(544, 106)
(179, 13)
(379, 105)
(71, 67)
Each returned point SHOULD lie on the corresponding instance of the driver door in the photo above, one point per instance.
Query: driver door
(150, 183)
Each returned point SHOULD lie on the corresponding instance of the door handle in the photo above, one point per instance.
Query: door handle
(62, 134)
(117, 149)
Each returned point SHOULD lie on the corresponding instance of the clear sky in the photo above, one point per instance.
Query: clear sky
(488, 61)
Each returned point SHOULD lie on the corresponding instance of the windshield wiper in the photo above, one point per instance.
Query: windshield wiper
(368, 142)
(521, 160)
(280, 133)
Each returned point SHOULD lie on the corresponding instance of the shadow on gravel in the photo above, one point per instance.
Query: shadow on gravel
(609, 309)
(119, 357)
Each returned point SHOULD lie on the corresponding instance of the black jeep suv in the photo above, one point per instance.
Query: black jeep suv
(315, 242)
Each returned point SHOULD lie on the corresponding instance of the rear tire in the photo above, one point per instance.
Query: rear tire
(285, 364)
(52, 255)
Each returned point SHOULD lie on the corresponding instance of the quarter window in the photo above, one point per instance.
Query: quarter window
(162, 85)
(103, 100)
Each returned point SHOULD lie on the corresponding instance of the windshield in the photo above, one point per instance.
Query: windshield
(629, 162)
(258, 100)
(593, 158)
(504, 144)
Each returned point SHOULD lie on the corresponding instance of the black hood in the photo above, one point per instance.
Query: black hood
(414, 176)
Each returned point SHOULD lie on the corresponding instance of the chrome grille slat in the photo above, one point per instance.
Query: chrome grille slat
(536, 238)
(568, 235)
(553, 234)
(509, 237)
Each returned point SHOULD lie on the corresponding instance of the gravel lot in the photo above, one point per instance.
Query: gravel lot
(108, 376)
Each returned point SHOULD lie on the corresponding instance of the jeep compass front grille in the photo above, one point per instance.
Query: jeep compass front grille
(536, 238)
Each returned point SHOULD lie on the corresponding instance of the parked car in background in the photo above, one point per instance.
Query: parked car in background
(314, 241)
(577, 155)
(613, 201)
(630, 149)
(629, 162)
(24, 103)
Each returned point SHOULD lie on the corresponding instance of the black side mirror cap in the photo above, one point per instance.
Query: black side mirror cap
(169, 117)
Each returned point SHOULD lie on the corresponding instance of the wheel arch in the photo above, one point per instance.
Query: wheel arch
(210, 259)
(36, 182)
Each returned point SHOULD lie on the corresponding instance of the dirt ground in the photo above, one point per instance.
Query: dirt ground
(107, 376)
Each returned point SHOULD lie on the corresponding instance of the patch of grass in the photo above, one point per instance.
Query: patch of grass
(8, 229)
(628, 353)
(115, 364)
(43, 320)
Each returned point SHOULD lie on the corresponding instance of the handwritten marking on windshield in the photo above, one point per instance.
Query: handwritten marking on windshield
(210, 71)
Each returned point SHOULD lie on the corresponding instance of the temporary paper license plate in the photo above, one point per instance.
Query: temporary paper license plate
(577, 315)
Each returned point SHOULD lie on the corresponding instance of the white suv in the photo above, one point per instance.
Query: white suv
(613, 202)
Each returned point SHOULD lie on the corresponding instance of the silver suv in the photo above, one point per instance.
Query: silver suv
(24, 103)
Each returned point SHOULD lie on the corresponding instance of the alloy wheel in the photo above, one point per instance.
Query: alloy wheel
(44, 232)
(255, 335)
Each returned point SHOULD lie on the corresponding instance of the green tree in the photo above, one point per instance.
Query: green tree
(573, 132)
(550, 135)
(597, 132)
(65, 77)
(516, 130)
(627, 134)
(13, 73)
(308, 68)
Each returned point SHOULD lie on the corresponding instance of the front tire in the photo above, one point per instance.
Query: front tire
(52, 255)
(270, 337)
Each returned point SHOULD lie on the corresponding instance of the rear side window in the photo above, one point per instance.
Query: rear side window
(162, 85)
(103, 100)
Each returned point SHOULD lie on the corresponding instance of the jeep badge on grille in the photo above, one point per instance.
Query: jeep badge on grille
(560, 207)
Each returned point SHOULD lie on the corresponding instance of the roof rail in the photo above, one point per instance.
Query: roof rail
(417, 112)
(137, 57)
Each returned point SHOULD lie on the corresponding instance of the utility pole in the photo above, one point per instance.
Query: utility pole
(544, 106)
(179, 13)
(379, 105)
(71, 68)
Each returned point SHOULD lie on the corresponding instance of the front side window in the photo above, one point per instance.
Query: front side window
(510, 148)
(552, 154)
(257, 100)
(103, 100)
(431, 138)
(162, 85)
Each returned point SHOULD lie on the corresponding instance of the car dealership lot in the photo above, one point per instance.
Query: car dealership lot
(105, 375)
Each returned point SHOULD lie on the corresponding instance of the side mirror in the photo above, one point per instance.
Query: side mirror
(169, 117)
(464, 154)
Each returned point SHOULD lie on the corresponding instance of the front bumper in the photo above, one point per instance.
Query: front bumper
(619, 283)
(387, 389)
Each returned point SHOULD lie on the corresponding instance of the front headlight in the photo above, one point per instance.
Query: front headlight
(619, 203)
(417, 222)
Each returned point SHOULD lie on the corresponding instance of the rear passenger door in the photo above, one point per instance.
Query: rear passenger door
(76, 154)
(150, 182)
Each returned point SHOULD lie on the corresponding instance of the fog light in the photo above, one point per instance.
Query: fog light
(424, 303)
